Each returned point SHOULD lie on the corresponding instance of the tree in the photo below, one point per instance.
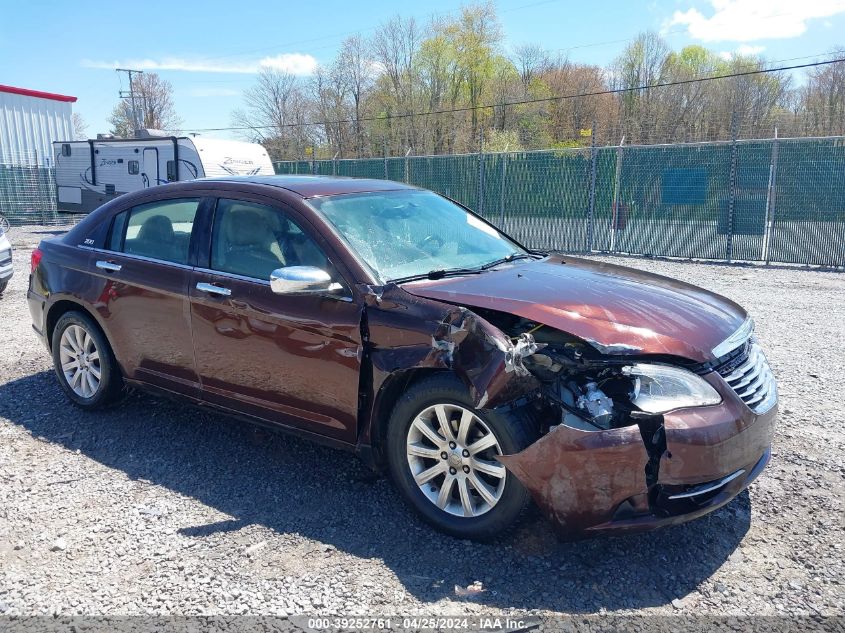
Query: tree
(275, 111)
(531, 61)
(641, 63)
(823, 98)
(475, 37)
(395, 47)
(355, 71)
(80, 128)
(153, 103)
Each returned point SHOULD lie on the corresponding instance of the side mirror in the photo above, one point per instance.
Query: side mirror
(293, 279)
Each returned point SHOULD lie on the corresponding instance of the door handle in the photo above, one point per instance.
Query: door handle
(108, 266)
(214, 290)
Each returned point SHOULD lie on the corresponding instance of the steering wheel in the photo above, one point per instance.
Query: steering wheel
(430, 243)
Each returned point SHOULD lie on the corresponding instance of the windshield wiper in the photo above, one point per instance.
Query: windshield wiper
(439, 273)
(504, 260)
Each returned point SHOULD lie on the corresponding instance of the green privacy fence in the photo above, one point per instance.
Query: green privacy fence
(778, 200)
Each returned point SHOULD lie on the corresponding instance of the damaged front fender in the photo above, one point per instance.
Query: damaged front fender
(402, 331)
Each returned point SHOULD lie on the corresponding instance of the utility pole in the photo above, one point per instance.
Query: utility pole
(130, 94)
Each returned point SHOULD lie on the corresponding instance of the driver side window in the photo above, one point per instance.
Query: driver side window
(253, 240)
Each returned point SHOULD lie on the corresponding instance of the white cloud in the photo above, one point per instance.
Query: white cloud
(750, 20)
(294, 63)
(744, 50)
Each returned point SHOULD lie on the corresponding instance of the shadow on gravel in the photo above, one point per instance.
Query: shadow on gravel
(294, 486)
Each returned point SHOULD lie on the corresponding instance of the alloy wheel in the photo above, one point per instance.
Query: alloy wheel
(80, 361)
(452, 456)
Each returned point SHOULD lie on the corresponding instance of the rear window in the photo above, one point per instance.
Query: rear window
(159, 230)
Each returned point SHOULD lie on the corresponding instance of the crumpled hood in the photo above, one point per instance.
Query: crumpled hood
(618, 310)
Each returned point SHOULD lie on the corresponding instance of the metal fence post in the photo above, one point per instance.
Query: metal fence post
(731, 196)
(771, 201)
(384, 151)
(592, 200)
(502, 190)
(313, 166)
(407, 167)
(334, 164)
(480, 199)
(614, 215)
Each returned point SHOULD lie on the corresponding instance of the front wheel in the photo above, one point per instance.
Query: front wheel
(442, 456)
(84, 363)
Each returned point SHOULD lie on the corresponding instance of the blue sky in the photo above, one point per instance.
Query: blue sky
(210, 51)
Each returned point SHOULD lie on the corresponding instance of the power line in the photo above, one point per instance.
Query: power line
(596, 93)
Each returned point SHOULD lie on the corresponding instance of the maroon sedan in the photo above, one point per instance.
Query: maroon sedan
(391, 321)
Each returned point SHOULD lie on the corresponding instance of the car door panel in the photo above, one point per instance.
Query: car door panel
(144, 300)
(288, 359)
(148, 317)
(294, 360)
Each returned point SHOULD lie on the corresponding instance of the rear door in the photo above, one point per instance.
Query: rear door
(289, 359)
(145, 300)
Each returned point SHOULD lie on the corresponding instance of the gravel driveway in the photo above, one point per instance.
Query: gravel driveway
(154, 507)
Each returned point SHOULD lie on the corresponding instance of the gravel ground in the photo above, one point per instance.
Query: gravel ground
(153, 507)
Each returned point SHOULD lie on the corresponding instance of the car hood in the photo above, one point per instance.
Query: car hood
(616, 309)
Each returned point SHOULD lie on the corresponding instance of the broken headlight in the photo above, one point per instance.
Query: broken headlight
(661, 388)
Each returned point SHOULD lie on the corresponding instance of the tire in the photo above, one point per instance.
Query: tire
(98, 358)
(448, 510)
(3, 285)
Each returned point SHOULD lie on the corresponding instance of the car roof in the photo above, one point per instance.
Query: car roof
(313, 186)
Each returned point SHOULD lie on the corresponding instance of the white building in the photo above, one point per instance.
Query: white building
(30, 120)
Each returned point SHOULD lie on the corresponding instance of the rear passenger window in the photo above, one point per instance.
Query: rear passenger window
(159, 230)
(118, 229)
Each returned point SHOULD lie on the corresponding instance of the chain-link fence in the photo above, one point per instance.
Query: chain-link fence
(774, 200)
(28, 193)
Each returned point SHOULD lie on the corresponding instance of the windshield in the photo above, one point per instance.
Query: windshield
(413, 232)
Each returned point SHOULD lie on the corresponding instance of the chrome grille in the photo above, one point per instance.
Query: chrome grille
(752, 379)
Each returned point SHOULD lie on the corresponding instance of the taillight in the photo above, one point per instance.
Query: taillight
(35, 259)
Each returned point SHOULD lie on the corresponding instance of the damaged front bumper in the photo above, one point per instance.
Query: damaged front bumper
(623, 479)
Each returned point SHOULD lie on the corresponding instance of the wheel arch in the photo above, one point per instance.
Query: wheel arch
(61, 307)
(385, 399)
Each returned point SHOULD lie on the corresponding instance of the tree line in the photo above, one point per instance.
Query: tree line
(450, 86)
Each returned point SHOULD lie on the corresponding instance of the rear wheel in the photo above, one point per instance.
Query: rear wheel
(3, 285)
(442, 456)
(84, 362)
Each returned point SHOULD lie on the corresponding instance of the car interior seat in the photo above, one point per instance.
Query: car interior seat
(244, 244)
(157, 239)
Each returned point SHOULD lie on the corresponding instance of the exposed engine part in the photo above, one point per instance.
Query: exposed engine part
(523, 346)
(596, 402)
(576, 403)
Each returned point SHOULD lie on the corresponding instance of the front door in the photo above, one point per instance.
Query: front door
(289, 359)
(150, 171)
(145, 299)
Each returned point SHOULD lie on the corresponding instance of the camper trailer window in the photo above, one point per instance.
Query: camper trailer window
(65, 149)
(132, 165)
(171, 170)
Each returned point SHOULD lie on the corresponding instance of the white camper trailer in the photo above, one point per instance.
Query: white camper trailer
(89, 173)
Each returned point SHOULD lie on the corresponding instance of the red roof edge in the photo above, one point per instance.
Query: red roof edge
(37, 93)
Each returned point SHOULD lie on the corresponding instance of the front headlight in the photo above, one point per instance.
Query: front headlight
(661, 388)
